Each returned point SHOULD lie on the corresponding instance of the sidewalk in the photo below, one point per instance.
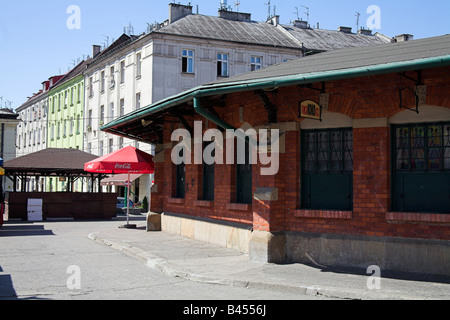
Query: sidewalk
(202, 262)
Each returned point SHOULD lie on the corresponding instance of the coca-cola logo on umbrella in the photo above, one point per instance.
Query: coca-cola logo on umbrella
(124, 166)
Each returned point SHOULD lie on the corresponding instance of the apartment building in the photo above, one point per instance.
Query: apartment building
(186, 51)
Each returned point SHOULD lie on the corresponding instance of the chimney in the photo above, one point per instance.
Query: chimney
(96, 49)
(178, 11)
(345, 29)
(365, 32)
(275, 20)
(404, 37)
(301, 24)
(234, 16)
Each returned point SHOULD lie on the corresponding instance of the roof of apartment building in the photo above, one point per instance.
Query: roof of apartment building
(328, 66)
(239, 28)
(76, 71)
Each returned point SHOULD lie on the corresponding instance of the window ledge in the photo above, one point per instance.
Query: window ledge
(239, 206)
(434, 218)
(323, 214)
(175, 200)
(203, 203)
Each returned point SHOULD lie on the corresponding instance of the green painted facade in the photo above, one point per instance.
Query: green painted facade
(65, 115)
(65, 122)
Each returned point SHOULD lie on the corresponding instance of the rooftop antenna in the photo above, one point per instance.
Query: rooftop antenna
(128, 30)
(237, 3)
(298, 17)
(269, 9)
(357, 14)
(307, 13)
(107, 40)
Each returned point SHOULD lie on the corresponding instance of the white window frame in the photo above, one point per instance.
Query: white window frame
(256, 63)
(223, 60)
(188, 60)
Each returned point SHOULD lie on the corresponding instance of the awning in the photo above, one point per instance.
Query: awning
(119, 180)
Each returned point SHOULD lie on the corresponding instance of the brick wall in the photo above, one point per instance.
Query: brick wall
(363, 98)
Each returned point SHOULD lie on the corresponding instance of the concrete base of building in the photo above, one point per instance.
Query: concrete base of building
(226, 234)
(267, 247)
(428, 257)
(431, 257)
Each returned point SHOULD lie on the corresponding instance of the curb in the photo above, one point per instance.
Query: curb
(173, 270)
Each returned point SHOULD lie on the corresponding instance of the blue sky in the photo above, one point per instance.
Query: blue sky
(35, 42)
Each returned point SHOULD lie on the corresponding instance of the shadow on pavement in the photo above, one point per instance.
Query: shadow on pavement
(387, 274)
(24, 230)
(7, 291)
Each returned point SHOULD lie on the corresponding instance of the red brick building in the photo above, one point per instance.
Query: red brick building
(366, 184)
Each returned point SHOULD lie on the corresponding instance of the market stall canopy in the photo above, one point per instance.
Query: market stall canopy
(119, 180)
(50, 162)
(128, 160)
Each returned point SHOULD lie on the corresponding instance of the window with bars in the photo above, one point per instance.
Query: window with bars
(421, 167)
(423, 147)
(327, 169)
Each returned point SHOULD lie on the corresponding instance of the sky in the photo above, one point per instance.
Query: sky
(39, 39)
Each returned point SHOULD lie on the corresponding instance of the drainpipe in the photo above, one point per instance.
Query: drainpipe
(208, 115)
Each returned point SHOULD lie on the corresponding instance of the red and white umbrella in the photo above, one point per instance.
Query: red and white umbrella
(128, 160)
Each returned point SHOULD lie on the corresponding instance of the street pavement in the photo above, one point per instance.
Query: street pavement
(197, 261)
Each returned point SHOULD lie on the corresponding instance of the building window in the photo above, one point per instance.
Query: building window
(58, 131)
(179, 175)
(102, 115)
(327, 169)
(187, 64)
(122, 72)
(78, 124)
(244, 185)
(72, 96)
(256, 63)
(111, 110)
(111, 145)
(421, 168)
(71, 127)
(138, 65)
(91, 87)
(52, 132)
(138, 100)
(222, 65)
(90, 120)
(100, 148)
(112, 80)
(103, 83)
(122, 107)
(208, 177)
(79, 93)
